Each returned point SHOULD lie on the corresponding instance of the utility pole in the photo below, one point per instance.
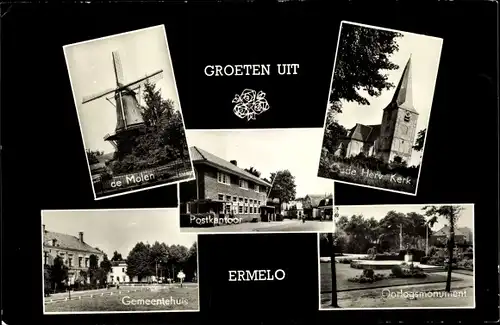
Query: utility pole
(333, 270)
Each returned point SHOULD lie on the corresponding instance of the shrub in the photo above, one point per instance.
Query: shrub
(397, 271)
(356, 265)
(344, 261)
(424, 260)
(371, 251)
(369, 273)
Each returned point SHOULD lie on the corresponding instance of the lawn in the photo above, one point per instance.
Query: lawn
(385, 182)
(175, 298)
(344, 271)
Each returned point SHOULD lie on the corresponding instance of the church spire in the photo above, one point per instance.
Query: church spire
(403, 96)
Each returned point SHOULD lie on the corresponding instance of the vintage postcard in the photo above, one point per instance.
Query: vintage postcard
(398, 257)
(379, 108)
(257, 180)
(108, 261)
(129, 112)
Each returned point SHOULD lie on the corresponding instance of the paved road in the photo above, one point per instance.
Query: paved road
(273, 226)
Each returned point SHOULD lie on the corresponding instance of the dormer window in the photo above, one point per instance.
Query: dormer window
(223, 178)
(407, 117)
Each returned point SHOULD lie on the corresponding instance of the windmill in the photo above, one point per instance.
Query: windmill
(128, 110)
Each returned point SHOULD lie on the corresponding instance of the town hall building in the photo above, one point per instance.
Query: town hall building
(394, 136)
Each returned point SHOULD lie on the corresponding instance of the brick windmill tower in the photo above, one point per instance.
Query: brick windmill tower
(124, 97)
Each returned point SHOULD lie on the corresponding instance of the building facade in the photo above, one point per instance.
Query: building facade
(463, 235)
(223, 188)
(394, 136)
(74, 252)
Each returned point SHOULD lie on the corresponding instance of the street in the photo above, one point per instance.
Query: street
(286, 225)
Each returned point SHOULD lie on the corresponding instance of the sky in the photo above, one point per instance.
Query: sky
(90, 66)
(270, 150)
(119, 230)
(425, 54)
(379, 211)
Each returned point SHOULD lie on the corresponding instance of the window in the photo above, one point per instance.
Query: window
(70, 262)
(123, 270)
(246, 200)
(45, 258)
(240, 209)
(407, 117)
(241, 199)
(246, 209)
(258, 202)
(404, 129)
(256, 188)
(235, 198)
(228, 197)
(86, 262)
(80, 260)
(251, 201)
(111, 271)
(221, 197)
(223, 178)
(118, 278)
(243, 184)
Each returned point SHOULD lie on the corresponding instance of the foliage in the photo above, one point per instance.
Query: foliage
(283, 187)
(161, 141)
(409, 271)
(253, 171)
(145, 260)
(93, 156)
(451, 213)
(419, 143)
(369, 48)
(57, 273)
(116, 257)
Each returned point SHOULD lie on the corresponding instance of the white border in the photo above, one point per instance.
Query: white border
(404, 308)
(118, 312)
(428, 117)
(79, 122)
(252, 232)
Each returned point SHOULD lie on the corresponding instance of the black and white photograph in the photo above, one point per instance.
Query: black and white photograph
(129, 112)
(379, 107)
(117, 261)
(398, 257)
(256, 181)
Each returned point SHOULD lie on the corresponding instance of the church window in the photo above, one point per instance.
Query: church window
(407, 117)
(404, 129)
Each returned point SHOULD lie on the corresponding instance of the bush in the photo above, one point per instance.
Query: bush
(356, 265)
(369, 273)
(371, 251)
(424, 260)
(466, 264)
(344, 261)
(397, 271)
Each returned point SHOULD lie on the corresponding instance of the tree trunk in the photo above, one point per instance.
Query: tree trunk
(333, 271)
(451, 246)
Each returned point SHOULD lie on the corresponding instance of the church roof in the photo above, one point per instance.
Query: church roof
(364, 133)
(403, 95)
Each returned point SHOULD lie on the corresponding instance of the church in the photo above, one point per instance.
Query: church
(394, 136)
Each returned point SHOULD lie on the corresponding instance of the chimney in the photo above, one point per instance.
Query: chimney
(234, 162)
(80, 235)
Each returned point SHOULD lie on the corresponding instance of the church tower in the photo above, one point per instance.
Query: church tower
(399, 122)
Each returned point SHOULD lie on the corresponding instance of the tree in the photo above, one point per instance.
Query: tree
(138, 261)
(158, 258)
(419, 142)
(93, 269)
(283, 187)
(253, 171)
(370, 49)
(104, 270)
(93, 156)
(58, 272)
(450, 213)
(116, 257)
(177, 257)
(191, 261)
(334, 132)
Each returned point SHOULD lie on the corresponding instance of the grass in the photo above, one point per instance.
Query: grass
(344, 271)
(185, 298)
(385, 182)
